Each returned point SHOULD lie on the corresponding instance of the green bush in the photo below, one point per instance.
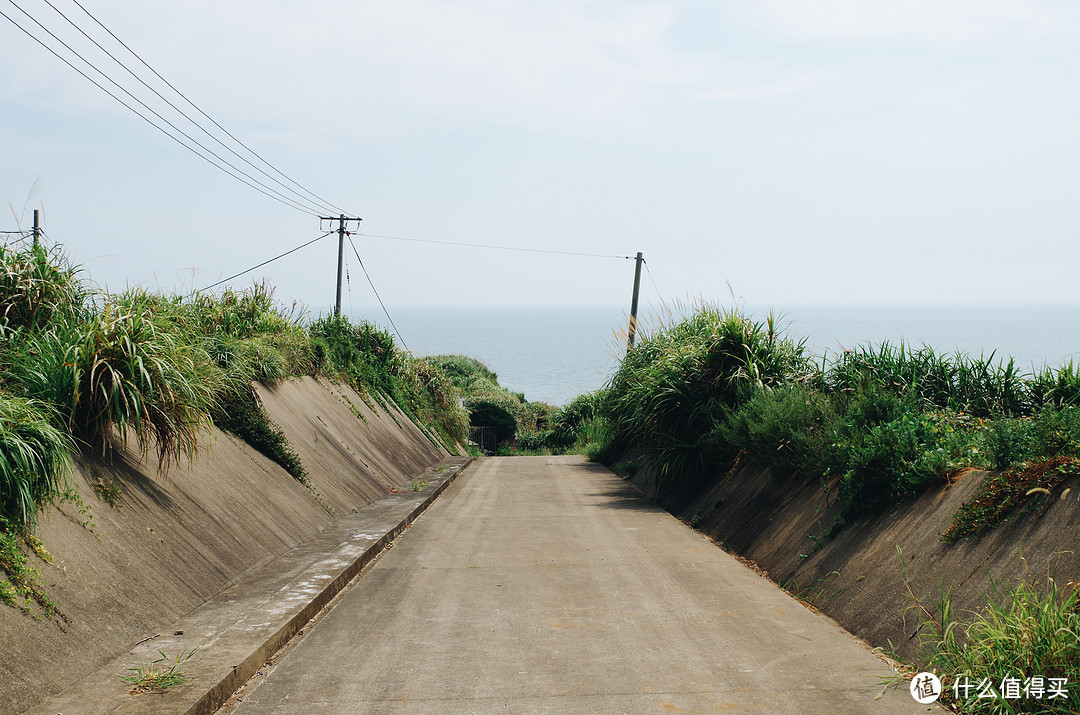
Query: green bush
(890, 461)
(489, 414)
(567, 424)
(534, 441)
(678, 382)
(789, 427)
(467, 374)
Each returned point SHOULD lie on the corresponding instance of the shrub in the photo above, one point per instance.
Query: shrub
(567, 423)
(242, 413)
(678, 382)
(789, 427)
(489, 414)
(465, 372)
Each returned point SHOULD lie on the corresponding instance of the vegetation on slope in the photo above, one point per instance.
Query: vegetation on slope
(80, 368)
(878, 423)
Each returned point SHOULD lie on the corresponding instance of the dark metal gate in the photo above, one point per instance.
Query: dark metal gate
(484, 438)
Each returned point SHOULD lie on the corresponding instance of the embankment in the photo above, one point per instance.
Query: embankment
(169, 542)
(857, 577)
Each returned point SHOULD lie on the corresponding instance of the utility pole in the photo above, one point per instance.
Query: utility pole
(638, 260)
(37, 228)
(342, 220)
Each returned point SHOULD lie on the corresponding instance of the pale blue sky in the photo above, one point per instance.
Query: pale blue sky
(833, 151)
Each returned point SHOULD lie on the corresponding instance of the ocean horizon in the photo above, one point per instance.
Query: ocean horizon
(554, 353)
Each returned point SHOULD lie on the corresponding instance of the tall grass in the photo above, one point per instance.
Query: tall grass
(80, 368)
(880, 423)
(978, 386)
(38, 287)
(1027, 633)
(33, 459)
(678, 381)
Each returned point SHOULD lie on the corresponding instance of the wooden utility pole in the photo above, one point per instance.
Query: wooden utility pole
(342, 220)
(638, 260)
(37, 228)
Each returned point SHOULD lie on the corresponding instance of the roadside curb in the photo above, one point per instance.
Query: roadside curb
(237, 631)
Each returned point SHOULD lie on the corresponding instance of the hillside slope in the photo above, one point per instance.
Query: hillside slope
(175, 540)
(859, 577)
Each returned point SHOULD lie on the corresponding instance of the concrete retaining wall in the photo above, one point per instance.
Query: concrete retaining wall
(177, 540)
(857, 578)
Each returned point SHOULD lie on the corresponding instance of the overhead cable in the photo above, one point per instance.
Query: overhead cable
(268, 191)
(249, 270)
(377, 296)
(497, 248)
(321, 202)
(652, 281)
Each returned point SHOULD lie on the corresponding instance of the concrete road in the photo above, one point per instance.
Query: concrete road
(546, 584)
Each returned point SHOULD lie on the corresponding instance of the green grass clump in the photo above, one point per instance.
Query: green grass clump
(37, 288)
(977, 386)
(133, 371)
(679, 381)
(34, 459)
(161, 674)
(1028, 633)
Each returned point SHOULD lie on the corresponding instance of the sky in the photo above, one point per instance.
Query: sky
(779, 152)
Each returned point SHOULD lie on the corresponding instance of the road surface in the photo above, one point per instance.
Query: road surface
(547, 584)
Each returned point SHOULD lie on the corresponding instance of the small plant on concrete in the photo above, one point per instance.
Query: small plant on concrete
(419, 485)
(161, 674)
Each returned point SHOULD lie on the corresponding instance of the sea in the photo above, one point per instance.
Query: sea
(553, 353)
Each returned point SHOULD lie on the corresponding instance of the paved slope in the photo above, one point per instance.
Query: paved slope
(176, 540)
(545, 584)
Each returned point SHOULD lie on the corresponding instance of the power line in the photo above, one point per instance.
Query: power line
(249, 270)
(323, 202)
(649, 272)
(200, 111)
(497, 248)
(266, 190)
(364, 269)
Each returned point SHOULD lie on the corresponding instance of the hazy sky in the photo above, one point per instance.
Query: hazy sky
(825, 151)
